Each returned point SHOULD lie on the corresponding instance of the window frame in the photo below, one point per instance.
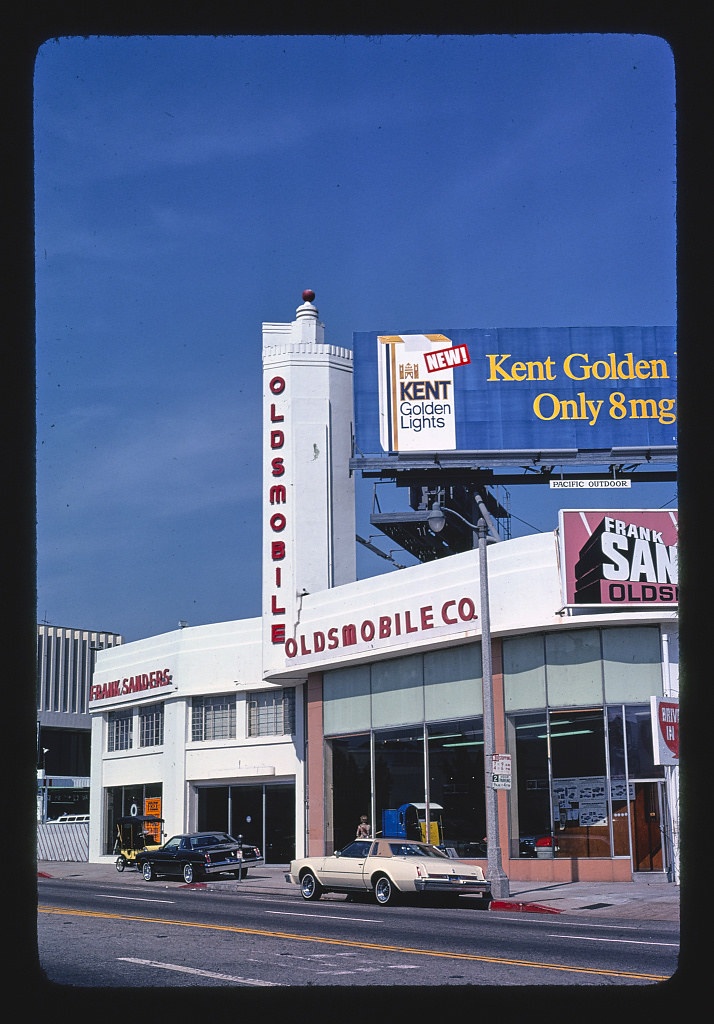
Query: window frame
(120, 730)
(151, 719)
(213, 717)
(271, 712)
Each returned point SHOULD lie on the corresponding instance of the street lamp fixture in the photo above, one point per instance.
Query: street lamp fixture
(484, 531)
(45, 791)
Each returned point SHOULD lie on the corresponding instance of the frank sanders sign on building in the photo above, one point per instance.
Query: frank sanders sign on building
(626, 557)
(130, 685)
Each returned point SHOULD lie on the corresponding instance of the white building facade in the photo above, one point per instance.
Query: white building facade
(348, 697)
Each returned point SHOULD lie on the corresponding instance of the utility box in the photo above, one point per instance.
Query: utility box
(409, 822)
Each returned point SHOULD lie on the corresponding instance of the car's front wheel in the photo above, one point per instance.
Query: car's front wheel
(310, 888)
(385, 891)
(120, 863)
(147, 870)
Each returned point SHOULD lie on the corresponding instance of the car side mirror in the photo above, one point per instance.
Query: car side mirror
(338, 853)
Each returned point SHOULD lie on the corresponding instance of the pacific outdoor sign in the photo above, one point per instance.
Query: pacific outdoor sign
(382, 628)
(622, 558)
(513, 389)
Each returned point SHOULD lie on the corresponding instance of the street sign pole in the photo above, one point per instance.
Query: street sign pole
(494, 869)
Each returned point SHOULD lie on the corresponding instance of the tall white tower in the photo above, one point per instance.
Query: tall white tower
(308, 492)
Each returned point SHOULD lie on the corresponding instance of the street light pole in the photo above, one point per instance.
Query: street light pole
(494, 865)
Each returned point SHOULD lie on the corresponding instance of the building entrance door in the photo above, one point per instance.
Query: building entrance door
(647, 853)
(262, 814)
(265, 814)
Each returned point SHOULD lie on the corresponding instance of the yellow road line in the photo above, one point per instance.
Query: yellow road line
(352, 943)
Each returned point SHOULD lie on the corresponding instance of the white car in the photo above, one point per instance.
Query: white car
(388, 869)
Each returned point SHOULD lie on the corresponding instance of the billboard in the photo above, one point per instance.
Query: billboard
(586, 389)
(621, 558)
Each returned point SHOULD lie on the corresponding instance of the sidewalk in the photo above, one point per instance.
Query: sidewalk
(649, 898)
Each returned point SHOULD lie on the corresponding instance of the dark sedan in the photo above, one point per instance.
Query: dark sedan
(195, 855)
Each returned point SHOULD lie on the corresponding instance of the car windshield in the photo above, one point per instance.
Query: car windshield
(359, 848)
(214, 839)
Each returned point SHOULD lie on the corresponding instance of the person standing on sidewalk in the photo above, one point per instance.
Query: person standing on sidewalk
(363, 829)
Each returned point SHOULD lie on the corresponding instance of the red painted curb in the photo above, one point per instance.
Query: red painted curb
(524, 908)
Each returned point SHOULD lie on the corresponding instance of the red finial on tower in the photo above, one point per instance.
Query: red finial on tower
(308, 295)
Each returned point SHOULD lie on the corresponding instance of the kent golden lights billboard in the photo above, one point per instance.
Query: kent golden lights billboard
(586, 389)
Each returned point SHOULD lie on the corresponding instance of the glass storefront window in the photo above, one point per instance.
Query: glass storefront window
(531, 817)
(122, 801)
(631, 758)
(575, 821)
(398, 770)
(572, 786)
(453, 758)
(621, 792)
(580, 798)
(456, 783)
(348, 780)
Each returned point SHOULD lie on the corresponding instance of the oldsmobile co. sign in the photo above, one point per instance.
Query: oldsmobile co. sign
(382, 628)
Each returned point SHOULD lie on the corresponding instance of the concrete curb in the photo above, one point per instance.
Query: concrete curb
(524, 908)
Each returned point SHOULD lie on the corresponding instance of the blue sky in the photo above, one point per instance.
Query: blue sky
(189, 188)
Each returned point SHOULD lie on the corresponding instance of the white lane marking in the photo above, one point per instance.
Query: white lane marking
(201, 974)
(132, 899)
(599, 938)
(592, 925)
(328, 960)
(543, 922)
(369, 970)
(327, 917)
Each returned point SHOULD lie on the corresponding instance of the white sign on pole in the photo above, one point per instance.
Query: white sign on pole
(501, 771)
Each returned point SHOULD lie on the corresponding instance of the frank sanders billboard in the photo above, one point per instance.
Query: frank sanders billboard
(515, 389)
(626, 557)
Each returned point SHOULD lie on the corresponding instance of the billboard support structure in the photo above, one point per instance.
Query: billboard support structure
(473, 409)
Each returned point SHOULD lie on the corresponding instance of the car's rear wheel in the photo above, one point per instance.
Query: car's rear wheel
(189, 873)
(120, 863)
(385, 891)
(147, 870)
(310, 888)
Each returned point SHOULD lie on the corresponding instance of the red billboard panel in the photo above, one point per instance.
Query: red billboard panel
(620, 558)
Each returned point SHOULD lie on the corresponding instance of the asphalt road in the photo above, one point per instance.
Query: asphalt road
(98, 930)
